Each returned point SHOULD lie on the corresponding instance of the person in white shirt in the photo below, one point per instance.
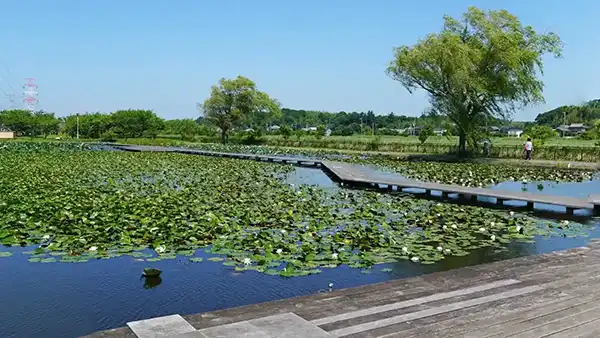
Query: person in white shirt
(528, 147)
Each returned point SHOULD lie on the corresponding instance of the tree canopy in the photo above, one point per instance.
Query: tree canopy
(586, 113)
(236, 100)
(483, 66)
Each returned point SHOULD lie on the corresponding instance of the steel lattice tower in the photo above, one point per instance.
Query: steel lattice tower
(30, 94)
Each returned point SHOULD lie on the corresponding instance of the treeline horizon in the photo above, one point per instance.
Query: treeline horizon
(132, 123)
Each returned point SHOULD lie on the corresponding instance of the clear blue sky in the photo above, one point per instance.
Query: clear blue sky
(103, 55)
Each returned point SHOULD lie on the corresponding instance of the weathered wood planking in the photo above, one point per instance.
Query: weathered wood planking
(551, 294)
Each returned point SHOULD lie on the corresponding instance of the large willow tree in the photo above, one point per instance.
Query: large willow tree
(484, 66)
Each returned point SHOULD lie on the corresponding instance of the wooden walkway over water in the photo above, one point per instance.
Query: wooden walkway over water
(353, 175)
(551, 295)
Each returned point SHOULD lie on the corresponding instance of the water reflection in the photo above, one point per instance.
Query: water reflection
(151, 281)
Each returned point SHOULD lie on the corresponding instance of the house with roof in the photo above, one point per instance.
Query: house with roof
(572, 129)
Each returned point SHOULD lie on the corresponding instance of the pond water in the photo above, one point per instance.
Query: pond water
(73, 299)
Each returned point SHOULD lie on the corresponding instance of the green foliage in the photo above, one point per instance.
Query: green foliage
(133, 123)
(236, 100)
(586, 113)
(540, 134)
(102, 204)
(478, 68)
(425, 133)
(91, 125)
(187, 129)
(286, 131)
(26, 123)
(321, 130)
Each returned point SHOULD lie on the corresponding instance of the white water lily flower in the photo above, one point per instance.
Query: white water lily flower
(404, 249)
(46, 237)
(512, 213)
(444, 227)
(493, 237)
(334, 255)
(492, 224)
(247, 261)
(439, 248)
(279, 251)
(524, 181)
(330, 285)
(454, 226)
(481, 229)
(160, 249)
(93, 248)
(415, 259)
(565, 222)
(439, 215)
(447, 250)
(283, 231)
(518, 228)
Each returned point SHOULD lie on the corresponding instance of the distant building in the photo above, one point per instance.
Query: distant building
(514, 132)
(439, 131)
(572, 129)
(6, 133)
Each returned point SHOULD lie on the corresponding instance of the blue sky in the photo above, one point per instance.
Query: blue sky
(103, 55)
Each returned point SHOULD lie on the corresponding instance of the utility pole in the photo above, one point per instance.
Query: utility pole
(564, 122)
(361, 128)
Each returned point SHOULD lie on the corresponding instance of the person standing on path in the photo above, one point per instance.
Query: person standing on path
(528, 148)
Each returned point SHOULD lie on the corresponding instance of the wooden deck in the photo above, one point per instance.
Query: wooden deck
(550, 295)
(352, 175)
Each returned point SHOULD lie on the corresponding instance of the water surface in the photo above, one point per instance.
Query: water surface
(73, 299)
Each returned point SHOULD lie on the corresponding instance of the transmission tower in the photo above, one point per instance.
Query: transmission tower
(30, 94)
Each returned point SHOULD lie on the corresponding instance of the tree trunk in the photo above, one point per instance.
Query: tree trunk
(223, 136)
(462, 143)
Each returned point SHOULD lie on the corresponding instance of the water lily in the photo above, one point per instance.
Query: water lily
(481, 229)
(415, 259)
(247, 261)
(330, 285)
(439, 248)
(93, 248)
(565, 222)
(334, 255)
(160, 249)
(283, 231)
(279, 251)
(518, 228)
(444, 227)
(46, 237)
(454, 226)
(492, 224)
(493, 237)
(512, 213)
(447, 250)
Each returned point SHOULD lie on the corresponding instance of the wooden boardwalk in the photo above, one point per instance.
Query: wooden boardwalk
(551, 295)
(353, 175)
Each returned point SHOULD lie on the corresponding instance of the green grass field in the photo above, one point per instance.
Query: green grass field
(445, 140)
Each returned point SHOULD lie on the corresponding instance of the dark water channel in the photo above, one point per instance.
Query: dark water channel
(73, 299)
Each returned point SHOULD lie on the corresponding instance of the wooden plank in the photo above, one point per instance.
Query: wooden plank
(433, 311)
(587, 330)
(344, 173)
(411, 302)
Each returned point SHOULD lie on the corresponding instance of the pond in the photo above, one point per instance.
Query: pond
(71, 299)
